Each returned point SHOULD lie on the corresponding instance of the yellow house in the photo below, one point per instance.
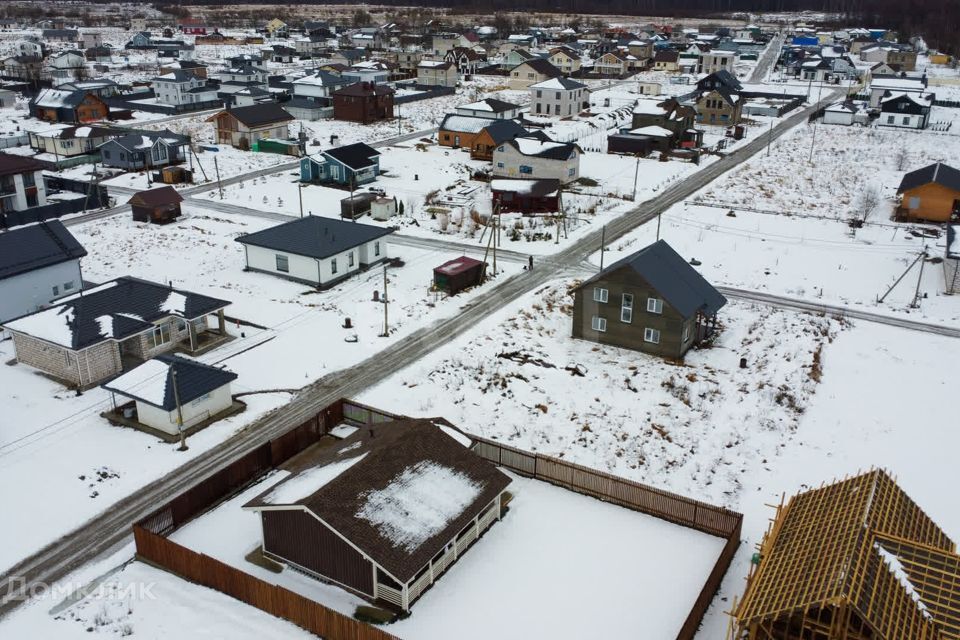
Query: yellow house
(277, 28)
(939, 58)
(565, 59)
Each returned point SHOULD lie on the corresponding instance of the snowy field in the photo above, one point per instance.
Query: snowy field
(73, 459)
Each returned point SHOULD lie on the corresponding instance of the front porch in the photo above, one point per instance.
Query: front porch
(191, 337)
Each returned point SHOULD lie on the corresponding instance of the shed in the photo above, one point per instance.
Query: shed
(357, 205)
(170, 390)
(383, 208)
(159, 206)
(458, 274)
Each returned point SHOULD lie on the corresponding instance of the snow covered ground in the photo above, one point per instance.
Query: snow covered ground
(56, 441)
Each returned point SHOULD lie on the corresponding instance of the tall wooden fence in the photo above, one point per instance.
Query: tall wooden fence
(273, 599)
(702, 516)
(153, 546)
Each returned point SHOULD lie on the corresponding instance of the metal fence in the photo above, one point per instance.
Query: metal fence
(14, 141)
(153, 546)
(432, 92)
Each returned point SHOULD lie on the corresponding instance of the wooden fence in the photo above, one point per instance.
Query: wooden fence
(154, 547)
(702, 516)
(275, 600)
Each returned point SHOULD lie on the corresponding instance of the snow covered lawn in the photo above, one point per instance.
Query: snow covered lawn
(687, 428)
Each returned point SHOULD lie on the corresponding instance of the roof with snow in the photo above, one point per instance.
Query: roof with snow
(862, 547)
(27, 248)
(490, 104)
(560, 83)
(314, 236)
(535, 147)
(152, 381)
(114, 310)
(541, 66)
(653, 131)
(937, 173)
(539, 188)
(672, 277)
(399, 491)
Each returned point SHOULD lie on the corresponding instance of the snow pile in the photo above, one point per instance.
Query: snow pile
(309, 482)
(896, 568)
(419, 503)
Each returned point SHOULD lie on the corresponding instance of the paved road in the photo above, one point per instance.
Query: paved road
(796, 304)
(112, 528)
(768, 59)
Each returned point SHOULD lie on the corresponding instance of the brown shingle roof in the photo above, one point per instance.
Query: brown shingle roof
(391, 449)
(157, 197)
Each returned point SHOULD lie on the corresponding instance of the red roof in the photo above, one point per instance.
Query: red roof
(458, 265)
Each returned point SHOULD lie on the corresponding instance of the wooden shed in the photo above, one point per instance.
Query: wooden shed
(458, 274)
(159, 206)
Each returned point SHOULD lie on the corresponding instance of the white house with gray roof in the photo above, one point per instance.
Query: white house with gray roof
(560, 97)
(532, 158)
(182, 87)
(315, 250)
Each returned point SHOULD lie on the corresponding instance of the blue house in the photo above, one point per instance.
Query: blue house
(354, 164)
(140, 40)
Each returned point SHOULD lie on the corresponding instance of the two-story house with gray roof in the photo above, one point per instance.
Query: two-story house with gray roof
(651, 301)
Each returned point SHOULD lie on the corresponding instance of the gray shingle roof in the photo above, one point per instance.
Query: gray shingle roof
(356, 156)
(314, 236)
(542, 66)
(115, 310)
(390, 450)
(671, 276)
(194, 379)
(41, 245)
(259, 114)
(937, 173)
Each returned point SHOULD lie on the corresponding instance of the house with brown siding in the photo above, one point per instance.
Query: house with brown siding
(931, 193)
(384, 512)
(651, 301)
(91, 336)
(363, 102)
(242, 126)
(74, 107)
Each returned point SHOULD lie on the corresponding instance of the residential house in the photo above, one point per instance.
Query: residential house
(465, 59)
(277, 28)
(241, 60)
(459, 131)
(491, 108)
(85, 339)
(242, 126)
(566, 59)
(25, 68)
(905, 110)
(350, 165)
(845, 113)
(90, 39)
(193, 27)
(21, 183)
(198, 69)
(881, 88)
(30, 48)
(38, 263)
(492, 135)
(72, 141)
(532, 158)
(561, 97)
(525, 196)
(311, 45)
(348, 57)
(363, 102)
(857, 557)
(280, 54)
(641, 141)
(931, 193)
(531, 72)
(69, 106)
(315, 250)
(182, 87)
(407, 60)
(612, 63)
(100, 87)
(719, 107)
(716, 60)
(667, 60)
(140, 40)
(642, 50)
(101, 54)
(385, 512)
(516, 57)
(311, 96)
(441, 43)
(236, 78)
(367, 38)
(253, 95)
(437, 73)
(651, 301)
(376, 71)
(60, 35)
(158, 206)
(171, 393)
(144, 150)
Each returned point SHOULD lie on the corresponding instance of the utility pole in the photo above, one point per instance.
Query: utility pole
(916, 294)
(769, 138)
(219, 184)
(386, 305)
(176, 399)
(636, 175)
(300, 196)
(658, 225)
(603, 236)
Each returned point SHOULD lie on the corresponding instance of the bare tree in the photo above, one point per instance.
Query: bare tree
(901, 158)
(866, 202)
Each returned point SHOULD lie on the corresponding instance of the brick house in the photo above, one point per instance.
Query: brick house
(363, 102)
(89, 337)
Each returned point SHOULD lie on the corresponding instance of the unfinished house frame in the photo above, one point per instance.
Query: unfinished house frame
(853, 560)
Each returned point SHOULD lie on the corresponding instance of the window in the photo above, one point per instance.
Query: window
(890, 119)
(557, 97)
(29, 180)
(626, 308)
(67, 286)
(598, 324)
(654, 305)
(283, 263)
(526, 169)
(160, 336)
(376, 248)
(350, 259)
(499, 165)
(333, 266)
(571, 172)
(906, 119)
(651, 335)
(600, 294)
(914, 202)
(539, 93)
(56, 290)
(105, 154)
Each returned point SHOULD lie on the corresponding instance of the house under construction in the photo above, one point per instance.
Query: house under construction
(854, 560)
